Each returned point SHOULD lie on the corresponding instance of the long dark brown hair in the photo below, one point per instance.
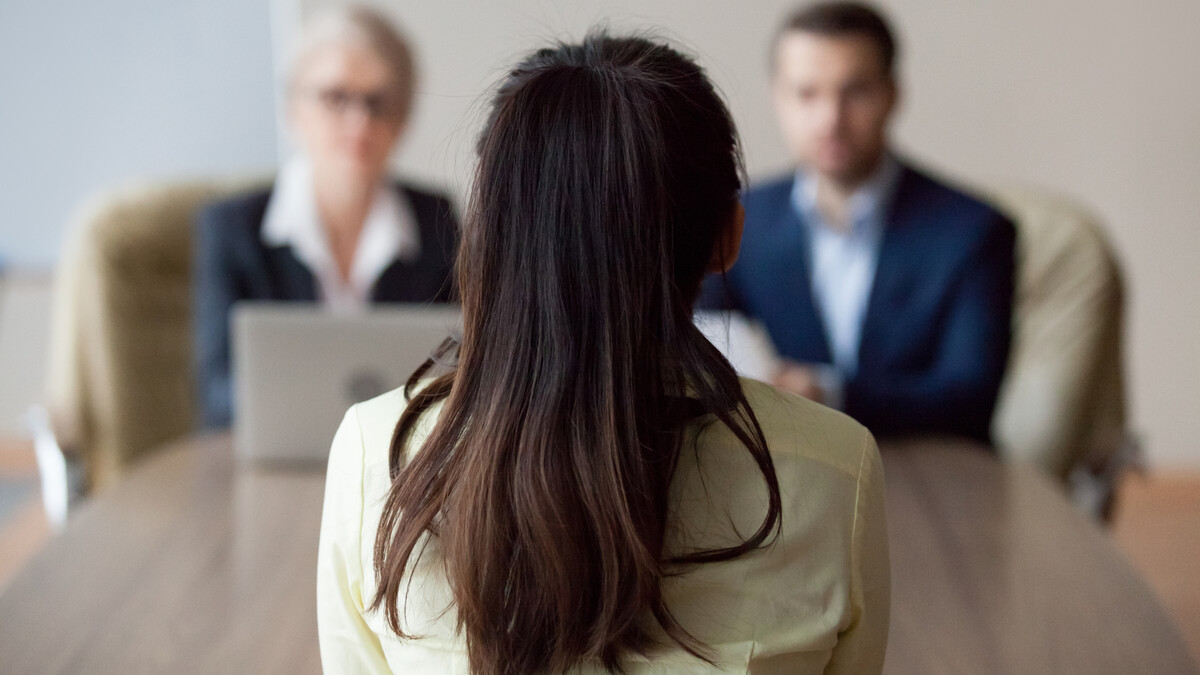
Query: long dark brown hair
(607, 171)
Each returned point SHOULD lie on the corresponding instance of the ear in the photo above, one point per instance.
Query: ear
(896, 94)
(295, 126)
(729, 242)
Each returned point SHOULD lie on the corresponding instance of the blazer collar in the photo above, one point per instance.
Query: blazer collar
(390, 233)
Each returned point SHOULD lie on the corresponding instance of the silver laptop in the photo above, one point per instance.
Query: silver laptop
(297, 368)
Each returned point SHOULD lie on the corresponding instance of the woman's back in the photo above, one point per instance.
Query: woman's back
(589, 482)
(814, 601)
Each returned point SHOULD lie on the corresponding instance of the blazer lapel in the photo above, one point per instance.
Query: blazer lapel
(420, 280)
(395, 284)
(290, 279)
(798, 315)
(894, 270)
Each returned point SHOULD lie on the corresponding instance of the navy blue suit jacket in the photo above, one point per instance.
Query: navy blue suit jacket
(937, 329)
(231, 263)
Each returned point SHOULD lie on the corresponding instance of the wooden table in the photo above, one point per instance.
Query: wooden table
(195, 564)
(190, 564)
(993, 571)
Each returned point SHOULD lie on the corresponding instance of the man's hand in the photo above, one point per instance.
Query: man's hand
(799, 379)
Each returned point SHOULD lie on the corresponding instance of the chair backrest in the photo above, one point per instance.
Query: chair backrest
(120, 372)
(1062, 405)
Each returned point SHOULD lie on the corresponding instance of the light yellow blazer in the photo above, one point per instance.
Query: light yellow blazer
(815, 601)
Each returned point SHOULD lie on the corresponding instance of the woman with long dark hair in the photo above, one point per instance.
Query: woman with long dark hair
(588, 486)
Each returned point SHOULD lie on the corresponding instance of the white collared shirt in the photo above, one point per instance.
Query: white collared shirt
(390, 233)
(842, 262)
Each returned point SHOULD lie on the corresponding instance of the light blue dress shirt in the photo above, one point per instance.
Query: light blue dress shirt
(842, 265)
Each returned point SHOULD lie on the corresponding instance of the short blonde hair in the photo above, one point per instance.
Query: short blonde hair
(362, 26)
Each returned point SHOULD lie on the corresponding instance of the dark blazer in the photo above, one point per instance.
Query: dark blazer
(231, 263)
(937, 329)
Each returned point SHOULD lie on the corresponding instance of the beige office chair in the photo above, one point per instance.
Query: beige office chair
(1062, 405)
(120, 374)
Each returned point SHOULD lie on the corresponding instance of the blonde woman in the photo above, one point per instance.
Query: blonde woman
(334, 228)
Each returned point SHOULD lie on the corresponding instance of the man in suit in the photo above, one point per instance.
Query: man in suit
(887, 293)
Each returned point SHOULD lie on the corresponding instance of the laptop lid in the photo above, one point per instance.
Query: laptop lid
(298, 367)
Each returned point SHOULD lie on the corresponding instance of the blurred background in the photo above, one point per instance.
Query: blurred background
(1095, 100)
(1098, 101)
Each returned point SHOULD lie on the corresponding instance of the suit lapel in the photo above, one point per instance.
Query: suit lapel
(404, 281)
(792, 271)
(394, 284)
(895, 267)
(291, 279)
(399, 281)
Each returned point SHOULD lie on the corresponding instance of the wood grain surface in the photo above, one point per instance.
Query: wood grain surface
(189, 565)
(195, 564)
(993, 571)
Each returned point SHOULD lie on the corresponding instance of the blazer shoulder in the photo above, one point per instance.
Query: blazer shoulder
(243, 211)
(766, 204)
(769, 191)
(425, 198)
(800, 427)
(435, 214)
(948, 218)
(377, 418)
(935, 193)
(418, 191)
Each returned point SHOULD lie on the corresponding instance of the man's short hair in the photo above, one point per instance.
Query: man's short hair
(841, 19)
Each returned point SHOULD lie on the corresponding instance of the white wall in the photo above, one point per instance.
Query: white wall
(1097, 99)
(464, 46)
(94, 92)
(24, 342)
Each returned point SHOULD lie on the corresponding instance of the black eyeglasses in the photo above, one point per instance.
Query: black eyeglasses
(376, 104)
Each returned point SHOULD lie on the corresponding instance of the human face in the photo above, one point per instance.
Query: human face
(345, 112)
(833, 99)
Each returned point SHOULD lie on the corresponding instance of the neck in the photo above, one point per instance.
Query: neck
(833, 202)
(834, 193)
(342, 202)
